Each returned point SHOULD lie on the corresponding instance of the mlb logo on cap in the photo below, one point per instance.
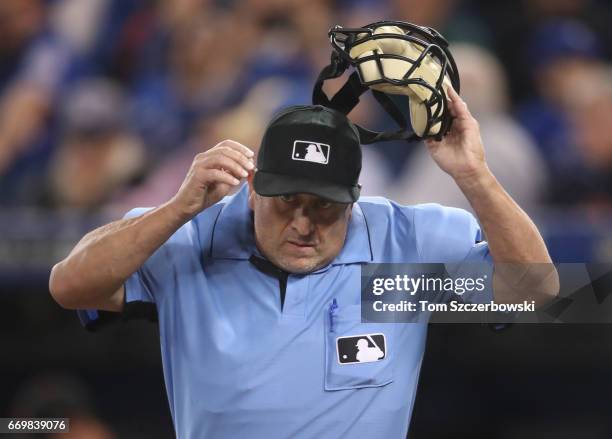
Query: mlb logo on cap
(313, 152)
(309, 149)
(363, 348)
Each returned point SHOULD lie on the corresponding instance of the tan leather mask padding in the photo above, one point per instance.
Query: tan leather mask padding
(429, 70)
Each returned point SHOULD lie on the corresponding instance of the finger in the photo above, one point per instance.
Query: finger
(223, 151)
(226, 163)
(457, 106)
(245, 161)
(238, 147)
(218, 176)
(432, 144)
(452, 93)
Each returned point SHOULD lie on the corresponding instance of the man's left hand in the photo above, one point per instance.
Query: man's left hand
(460, 153)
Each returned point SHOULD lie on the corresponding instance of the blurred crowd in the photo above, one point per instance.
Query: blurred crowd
(104, 103)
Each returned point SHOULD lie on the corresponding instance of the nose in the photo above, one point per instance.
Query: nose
(302, 223)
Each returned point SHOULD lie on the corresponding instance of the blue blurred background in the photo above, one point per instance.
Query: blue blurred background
(104, 103)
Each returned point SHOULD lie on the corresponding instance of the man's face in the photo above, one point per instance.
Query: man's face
(299, 233)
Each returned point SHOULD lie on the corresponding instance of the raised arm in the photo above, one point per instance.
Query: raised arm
(93, 274)
(523, 268)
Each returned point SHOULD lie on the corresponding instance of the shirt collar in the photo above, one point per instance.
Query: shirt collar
(233, 234)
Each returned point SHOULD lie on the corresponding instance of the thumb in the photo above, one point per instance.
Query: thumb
(432, 143)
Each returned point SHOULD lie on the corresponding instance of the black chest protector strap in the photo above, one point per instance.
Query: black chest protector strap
(270, 269)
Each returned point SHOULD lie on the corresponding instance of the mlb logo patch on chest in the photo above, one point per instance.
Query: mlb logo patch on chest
(363, 348)
(314, 152)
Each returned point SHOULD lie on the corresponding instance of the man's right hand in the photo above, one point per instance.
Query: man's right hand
(93, 274)
(211, 177)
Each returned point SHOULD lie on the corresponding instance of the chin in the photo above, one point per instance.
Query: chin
(300, 266)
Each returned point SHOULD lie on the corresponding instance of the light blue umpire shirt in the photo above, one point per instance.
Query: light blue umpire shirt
(237, 365)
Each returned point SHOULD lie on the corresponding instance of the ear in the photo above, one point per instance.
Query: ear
(252, 193)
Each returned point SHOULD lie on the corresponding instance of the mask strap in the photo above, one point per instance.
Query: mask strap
(335, 69)
(368, 136)
(391, 107)
(348, 97)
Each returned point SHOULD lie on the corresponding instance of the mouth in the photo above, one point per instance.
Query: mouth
(301, 247)
(302, 244)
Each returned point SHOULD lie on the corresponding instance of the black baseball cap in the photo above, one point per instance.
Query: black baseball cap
(310, 149)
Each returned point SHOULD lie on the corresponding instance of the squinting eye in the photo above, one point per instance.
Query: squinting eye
(287, 198)
(325, 204)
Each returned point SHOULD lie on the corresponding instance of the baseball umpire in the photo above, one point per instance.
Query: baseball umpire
(258, 293)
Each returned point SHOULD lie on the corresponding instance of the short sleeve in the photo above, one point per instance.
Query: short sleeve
(446, 234)
(139, 286)
(453, 236)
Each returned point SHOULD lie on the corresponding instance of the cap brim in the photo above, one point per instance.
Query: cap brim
(269, 184)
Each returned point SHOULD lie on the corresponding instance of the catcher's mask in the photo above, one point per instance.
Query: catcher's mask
(393, 58)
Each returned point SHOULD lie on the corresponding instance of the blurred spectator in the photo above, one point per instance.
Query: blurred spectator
(559, 51)
(229, 71)
(244, 123)
(299, 25)
(289, 43)
(595, 14)
(78, 22)
(35, 63)
(511, 154)
(204, 75)
(515, 23)
(584, 176)
(96, 154)
(453, 18)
